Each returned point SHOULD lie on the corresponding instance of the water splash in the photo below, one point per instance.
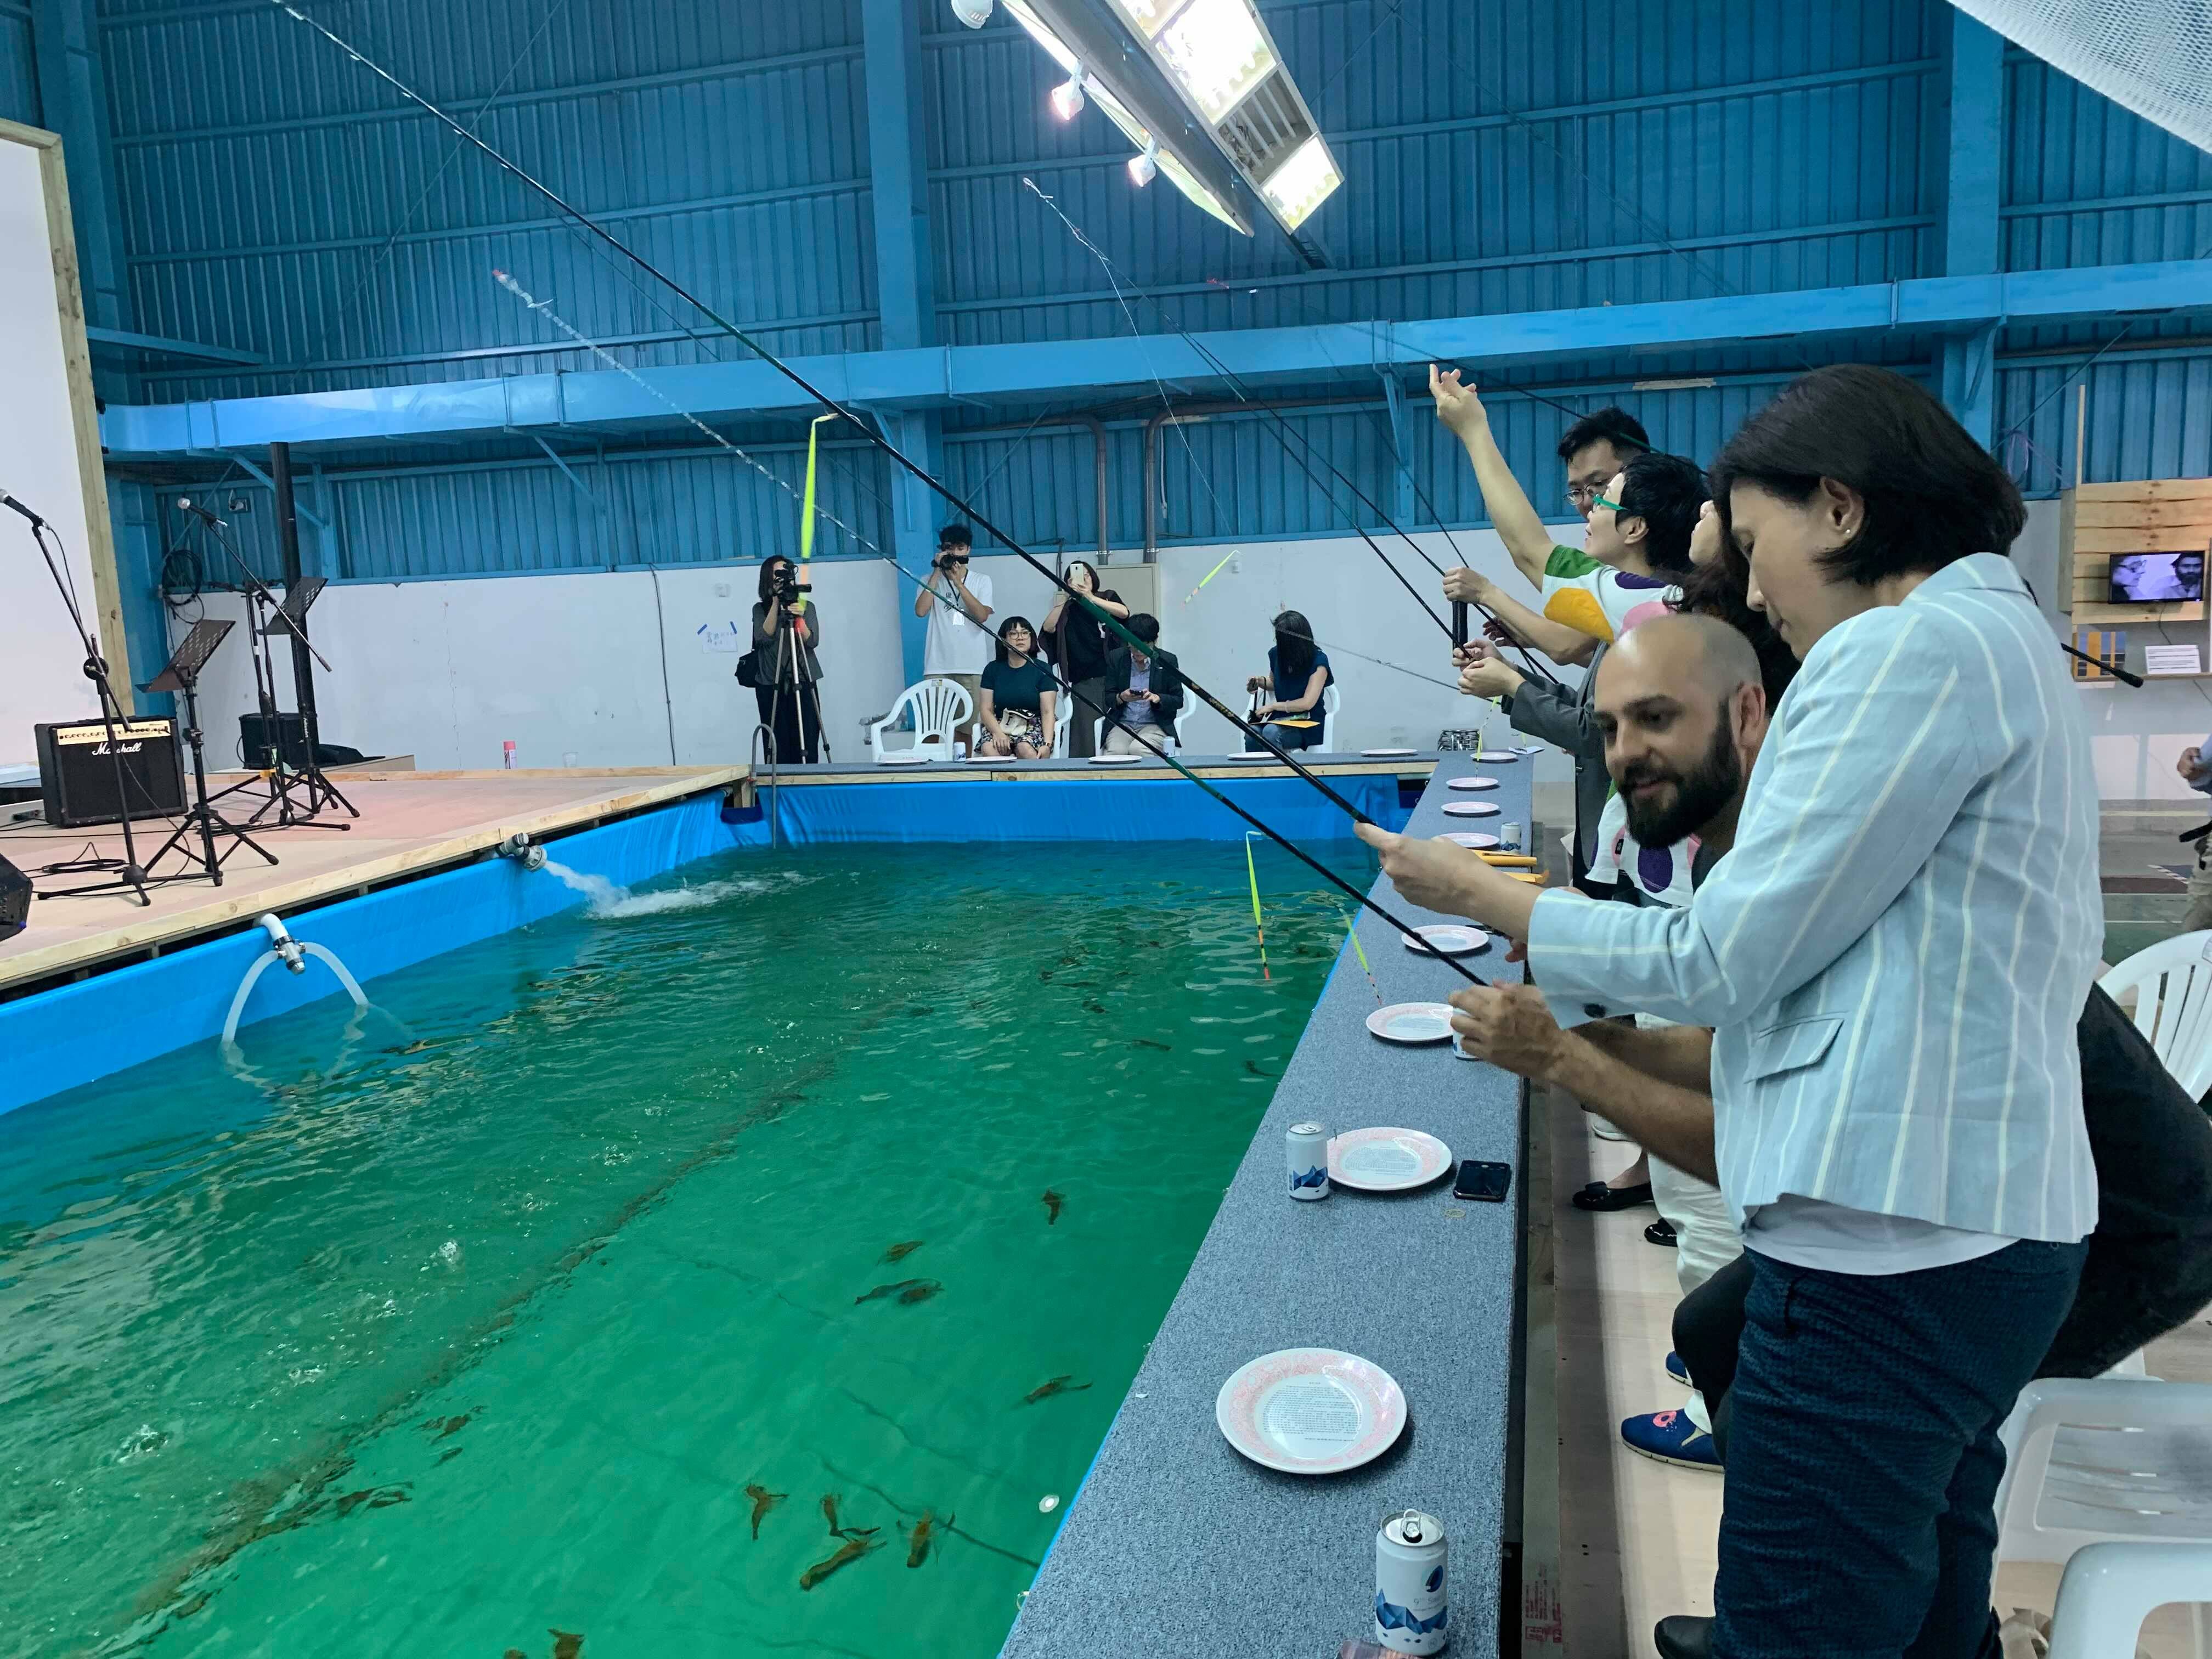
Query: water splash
(606, 901)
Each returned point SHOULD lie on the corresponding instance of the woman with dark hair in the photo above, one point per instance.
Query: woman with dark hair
(1017, 707)
(1298, 673)
(1078, 644)
(786, 628)
(1892, 958)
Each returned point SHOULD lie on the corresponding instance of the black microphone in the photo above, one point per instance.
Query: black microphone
(6, 500)
(186, 504)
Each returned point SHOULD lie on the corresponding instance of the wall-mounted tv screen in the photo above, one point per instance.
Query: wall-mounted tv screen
(2138, 577)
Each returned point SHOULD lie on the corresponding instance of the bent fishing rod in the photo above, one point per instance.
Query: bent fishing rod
(1456, 631)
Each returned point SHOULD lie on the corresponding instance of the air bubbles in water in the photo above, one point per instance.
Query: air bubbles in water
(450, 1253)
(1049, 1502)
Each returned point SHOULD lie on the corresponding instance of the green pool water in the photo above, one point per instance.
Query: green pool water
(473, 1322)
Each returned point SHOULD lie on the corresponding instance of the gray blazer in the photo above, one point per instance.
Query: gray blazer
(1567, 719)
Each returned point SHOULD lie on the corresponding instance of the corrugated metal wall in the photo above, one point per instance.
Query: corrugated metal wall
(19, 81)
(1499, 156)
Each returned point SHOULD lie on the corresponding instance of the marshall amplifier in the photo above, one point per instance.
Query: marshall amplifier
(76, 774)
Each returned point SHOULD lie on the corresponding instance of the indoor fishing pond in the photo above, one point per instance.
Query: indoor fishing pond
(749, 1263)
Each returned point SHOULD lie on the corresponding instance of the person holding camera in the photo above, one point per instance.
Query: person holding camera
(957, 605)
(1078, 643)
(787, 676)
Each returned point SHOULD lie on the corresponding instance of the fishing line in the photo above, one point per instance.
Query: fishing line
(1287, 432)
(919, 474)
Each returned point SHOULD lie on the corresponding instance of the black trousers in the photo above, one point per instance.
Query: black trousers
(793, 712)
(1865, 1460)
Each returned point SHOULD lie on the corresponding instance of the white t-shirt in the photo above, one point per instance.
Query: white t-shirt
(956, 644)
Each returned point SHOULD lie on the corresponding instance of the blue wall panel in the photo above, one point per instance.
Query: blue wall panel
(1499, 156)
(18, 78)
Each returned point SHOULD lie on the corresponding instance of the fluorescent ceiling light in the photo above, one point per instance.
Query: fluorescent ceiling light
(1301, 184)
(1214, 47)
(1044, 36)
(1147, 15)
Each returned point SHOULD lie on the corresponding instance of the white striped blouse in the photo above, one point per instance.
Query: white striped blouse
(1895, 952)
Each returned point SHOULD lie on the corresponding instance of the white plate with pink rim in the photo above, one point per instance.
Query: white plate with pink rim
(1412, 1022)
(1446, 938)
(1386, 1160)
(1498, 756)
(1468, 839)
(1471, 783)
(1387, 754)
(902, 758)
(1250, 754)
(1311, 1411)
(1119, 760)
(1470, 809)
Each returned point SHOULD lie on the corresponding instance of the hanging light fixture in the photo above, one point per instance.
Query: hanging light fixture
(1067, 96)
(1145, 165)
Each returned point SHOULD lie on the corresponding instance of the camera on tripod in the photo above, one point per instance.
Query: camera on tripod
(787, 585)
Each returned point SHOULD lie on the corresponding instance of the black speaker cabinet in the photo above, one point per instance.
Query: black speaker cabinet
(76, 774)
(15, 900)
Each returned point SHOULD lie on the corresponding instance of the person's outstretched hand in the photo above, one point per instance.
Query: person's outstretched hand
(1457, 406)
(1508, 1025)
(2187, 766)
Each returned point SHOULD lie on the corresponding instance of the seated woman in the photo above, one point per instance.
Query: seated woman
(1017, 697)
(1298, 673)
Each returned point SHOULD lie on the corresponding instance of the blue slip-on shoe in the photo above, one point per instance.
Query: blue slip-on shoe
(1671, 1437)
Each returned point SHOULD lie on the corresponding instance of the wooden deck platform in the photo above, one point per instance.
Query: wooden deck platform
(410, 822)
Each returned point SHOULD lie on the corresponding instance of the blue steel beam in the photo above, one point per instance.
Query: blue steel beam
(905, 275)
(1966, 369)
(921, 378)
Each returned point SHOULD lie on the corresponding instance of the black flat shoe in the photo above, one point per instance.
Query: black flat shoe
(1662, 1233)
(1681, 1635)
(1599, 1196)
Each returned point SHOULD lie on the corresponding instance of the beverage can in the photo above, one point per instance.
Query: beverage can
(1306, 1153)
(1508, 838)
(1410, 1599)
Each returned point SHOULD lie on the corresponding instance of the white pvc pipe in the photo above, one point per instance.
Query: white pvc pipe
(261, 966)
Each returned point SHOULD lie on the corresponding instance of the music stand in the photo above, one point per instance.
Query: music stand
(291, 618)
(183, 674)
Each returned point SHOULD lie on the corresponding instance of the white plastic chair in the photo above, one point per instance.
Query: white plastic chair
(2173, 986)
(2109, 1589)
(1331, 701)
(1062, 718)
(2105, 1460)
(940, 707)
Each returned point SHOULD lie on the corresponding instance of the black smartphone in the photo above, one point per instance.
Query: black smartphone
(1485, 1183)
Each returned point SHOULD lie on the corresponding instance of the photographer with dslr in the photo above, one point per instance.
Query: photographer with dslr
(958, 605)
(787, 676)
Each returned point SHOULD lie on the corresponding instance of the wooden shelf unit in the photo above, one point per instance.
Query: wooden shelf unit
(2097, 521)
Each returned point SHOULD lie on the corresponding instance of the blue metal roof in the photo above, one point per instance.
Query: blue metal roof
(1499, 157)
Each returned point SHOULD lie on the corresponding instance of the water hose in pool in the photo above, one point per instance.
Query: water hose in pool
(293, 953)
(919, 474)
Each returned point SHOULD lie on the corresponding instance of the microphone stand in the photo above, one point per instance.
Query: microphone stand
(133, 876)
(262, 605)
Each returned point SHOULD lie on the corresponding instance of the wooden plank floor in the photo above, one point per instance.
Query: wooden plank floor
(1638, 1539)
(410, 821)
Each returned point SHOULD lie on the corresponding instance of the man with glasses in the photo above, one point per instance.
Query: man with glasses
(957, 605)
(1581, 596)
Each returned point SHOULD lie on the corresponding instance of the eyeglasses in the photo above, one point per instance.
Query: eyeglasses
(1579, 496)
(1596, 501)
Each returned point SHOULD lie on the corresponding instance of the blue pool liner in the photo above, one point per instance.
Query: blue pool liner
(76, 1034)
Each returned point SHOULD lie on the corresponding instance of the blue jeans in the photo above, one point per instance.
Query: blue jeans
(1862, 1459)
(1288, 736)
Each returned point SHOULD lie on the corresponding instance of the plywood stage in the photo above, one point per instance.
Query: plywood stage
(410, 822)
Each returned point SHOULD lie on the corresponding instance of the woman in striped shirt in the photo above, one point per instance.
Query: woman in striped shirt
(1893, 959)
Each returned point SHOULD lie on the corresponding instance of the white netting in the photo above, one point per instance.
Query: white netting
(2153, 57)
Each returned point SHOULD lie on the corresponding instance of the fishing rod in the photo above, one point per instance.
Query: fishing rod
(1286, 432)
(545, 307)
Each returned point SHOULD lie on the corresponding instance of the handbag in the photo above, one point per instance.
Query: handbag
(749, 669)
